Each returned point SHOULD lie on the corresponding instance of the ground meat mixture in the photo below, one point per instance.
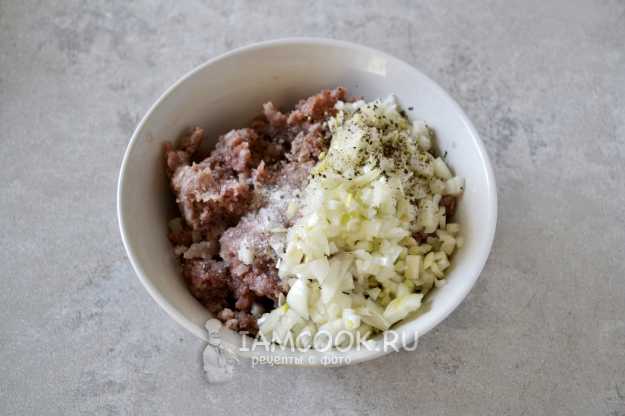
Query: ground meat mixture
(236, 203)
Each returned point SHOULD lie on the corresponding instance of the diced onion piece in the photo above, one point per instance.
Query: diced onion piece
(358, 300)
(453, 228)
(335, 307)
(413, 266)
(421, 249)
(374, 292)
(338, 277)
(454, 186)
(459, 242)
(284, 325)
(422, 133)
(437, 186)
(440, 169)
(436, 270)
(410, 242)
(399, 308)
(318, 269)
(427, 280)
(423, 165)
(372, 314)
(402, 290)
(428, 217)
(429, 260)
(449, 242)
(297, 298)
(268, 321)
(351, 319)
(448, 247)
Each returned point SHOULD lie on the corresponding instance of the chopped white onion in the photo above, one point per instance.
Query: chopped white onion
(297, 298)
(454, 186)
(350, 258)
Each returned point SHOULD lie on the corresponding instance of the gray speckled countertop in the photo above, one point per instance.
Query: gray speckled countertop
(543, 332)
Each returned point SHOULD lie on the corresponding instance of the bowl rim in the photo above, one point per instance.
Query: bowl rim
(491, 197)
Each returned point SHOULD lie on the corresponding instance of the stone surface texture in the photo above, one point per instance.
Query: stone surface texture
(543, 331)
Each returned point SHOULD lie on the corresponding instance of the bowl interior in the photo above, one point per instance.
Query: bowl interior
(228, 92)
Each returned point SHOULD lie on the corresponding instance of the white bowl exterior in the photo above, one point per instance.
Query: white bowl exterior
(228, 91)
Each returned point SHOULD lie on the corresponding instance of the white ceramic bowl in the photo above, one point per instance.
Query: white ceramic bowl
(226, 92)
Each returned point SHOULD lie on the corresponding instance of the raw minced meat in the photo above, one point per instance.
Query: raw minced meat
(235, 204)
